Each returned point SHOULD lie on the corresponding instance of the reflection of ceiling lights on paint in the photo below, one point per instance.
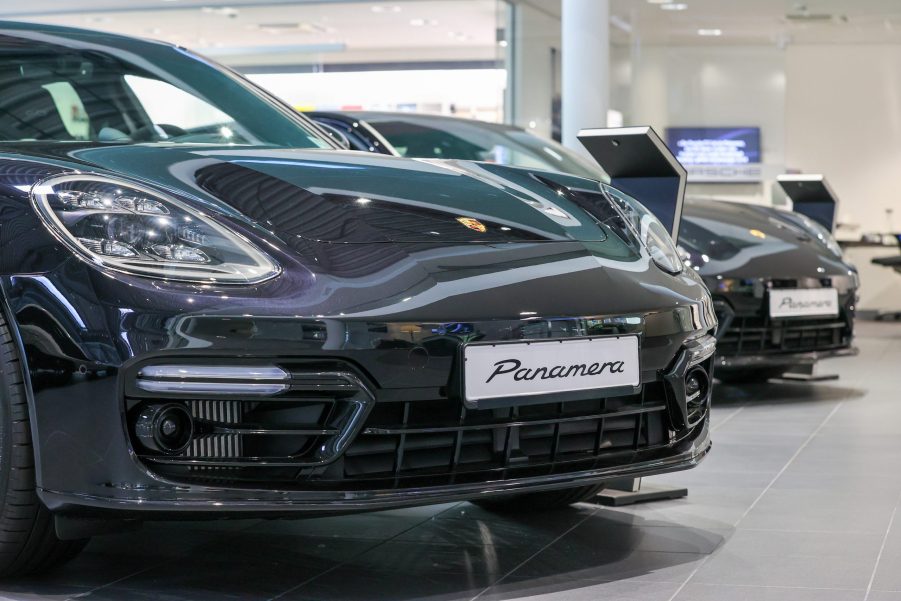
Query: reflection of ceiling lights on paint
(223, 11)
(674, 6)
(459, 36)
(423, 22)
(379, 8)
(659, 1)
(710, 32)
(292, 27)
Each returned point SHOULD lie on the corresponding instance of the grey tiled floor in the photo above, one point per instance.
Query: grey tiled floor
(797, 501)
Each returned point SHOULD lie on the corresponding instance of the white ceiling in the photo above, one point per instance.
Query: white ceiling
(778, 22)
(409, 30)
(277, 27)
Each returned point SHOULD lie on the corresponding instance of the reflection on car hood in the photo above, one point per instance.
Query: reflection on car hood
(750, 241)
(358, 197)
(347, 272)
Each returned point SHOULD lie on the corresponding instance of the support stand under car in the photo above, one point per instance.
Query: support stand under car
(640, 164)
(812, 197)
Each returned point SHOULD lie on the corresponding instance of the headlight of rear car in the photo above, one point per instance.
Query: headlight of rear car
(650, 231)
(136, 230)
(819, 233)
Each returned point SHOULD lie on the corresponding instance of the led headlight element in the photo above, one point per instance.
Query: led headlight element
(133, 229)
(819, 233)
(650, 231)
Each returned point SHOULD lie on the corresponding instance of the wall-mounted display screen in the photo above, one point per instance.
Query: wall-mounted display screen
(714, 145)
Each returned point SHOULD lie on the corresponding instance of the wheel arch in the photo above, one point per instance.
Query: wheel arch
(13, 325)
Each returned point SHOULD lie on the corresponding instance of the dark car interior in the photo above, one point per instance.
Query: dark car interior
(82, 96)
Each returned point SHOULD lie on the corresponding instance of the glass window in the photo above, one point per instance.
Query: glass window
(135, 91)
(448, 138)
(70, 109)
(184, 117)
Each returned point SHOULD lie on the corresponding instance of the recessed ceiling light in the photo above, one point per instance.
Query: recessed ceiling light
(710, 32)
(674, 6)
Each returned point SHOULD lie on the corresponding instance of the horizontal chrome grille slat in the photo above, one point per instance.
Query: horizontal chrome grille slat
(255, 373)
(212, 388)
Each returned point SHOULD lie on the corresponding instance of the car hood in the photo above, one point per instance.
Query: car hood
(377, 265)
(741, 240)
(347, 196)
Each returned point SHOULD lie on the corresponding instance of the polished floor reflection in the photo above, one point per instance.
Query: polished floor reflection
(797, 501)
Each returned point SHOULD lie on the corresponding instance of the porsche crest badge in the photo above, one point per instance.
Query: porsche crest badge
(473, 224)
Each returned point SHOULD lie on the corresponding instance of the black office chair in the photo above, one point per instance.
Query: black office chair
(893, 262)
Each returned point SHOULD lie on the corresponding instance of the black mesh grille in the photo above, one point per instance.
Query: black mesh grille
(290, 441)
(443, 442)
(761, 335)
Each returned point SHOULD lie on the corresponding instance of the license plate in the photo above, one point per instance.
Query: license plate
(803, 302)
(522, 369)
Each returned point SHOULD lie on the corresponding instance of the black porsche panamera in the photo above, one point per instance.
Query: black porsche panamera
(208, 310)
(784, 295)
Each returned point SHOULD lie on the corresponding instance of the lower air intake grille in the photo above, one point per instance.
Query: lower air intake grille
(327, 432)
(757, 335)
(249, 436)
(441, 442)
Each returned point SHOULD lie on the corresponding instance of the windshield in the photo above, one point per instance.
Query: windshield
(441, 138)
(133, 91)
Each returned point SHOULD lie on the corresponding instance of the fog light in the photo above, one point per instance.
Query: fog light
(165, 428)
(695, 384)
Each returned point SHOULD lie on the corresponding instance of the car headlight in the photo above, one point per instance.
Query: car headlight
(124, 226)
(650, 231)
(818, 232)
(660, 246)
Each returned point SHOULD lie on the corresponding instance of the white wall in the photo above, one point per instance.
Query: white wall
(714, 86)
(843, 118)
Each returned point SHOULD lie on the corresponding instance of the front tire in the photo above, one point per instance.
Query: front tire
(28, 541)
(540, 501)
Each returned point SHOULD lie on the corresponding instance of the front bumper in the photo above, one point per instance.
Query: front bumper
(780, 360)
(688, 453)
(83, 374)
(748, 338)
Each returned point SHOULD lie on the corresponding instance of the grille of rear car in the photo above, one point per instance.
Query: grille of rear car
(756, 334)
(326, 431)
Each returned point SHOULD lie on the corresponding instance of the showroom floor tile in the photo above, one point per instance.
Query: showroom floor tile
(798, 501)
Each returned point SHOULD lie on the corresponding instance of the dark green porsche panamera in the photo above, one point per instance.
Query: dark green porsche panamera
(208, 310)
